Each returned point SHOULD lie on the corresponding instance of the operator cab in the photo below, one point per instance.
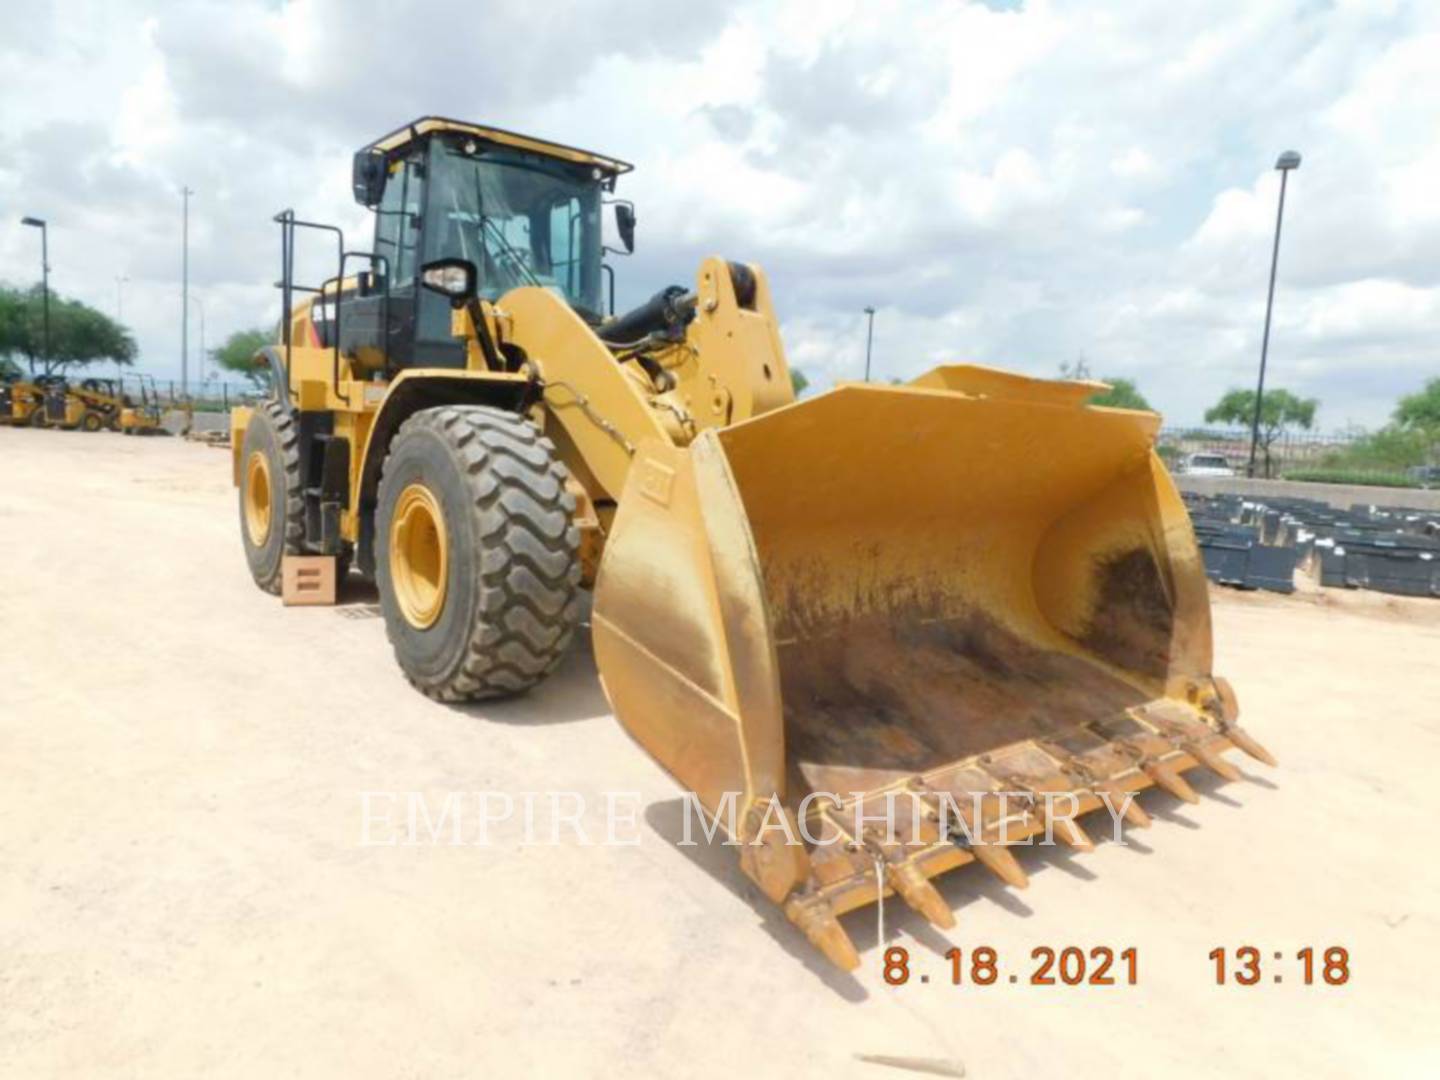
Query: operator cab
(522, 211)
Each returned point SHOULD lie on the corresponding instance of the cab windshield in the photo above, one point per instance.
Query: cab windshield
(522, 219)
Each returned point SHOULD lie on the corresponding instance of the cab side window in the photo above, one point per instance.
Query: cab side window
(397, 222)
(564, 254)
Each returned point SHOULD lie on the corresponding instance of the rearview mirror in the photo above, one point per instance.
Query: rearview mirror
(625, 224)
(455, 278)
(367, 177)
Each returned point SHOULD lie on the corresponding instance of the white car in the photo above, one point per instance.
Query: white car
(1206, 465)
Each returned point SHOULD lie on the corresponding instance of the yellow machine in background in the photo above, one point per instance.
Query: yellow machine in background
(19, 400)
(59, 407)
(22, 402)
(130, 404)
(141, 412)
(968, 585)
(101, 401)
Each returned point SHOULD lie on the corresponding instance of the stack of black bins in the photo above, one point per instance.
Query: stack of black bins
(1250, 543)
(1234, 549)
(1390, 549)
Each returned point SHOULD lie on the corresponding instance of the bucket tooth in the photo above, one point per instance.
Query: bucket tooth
(1001, 863)
(1072, 834)
(1212, 761)
(1133, 813)
(1166, 777)
(1243, 740)
(817, 921)
(1076, 770)
(923, 897)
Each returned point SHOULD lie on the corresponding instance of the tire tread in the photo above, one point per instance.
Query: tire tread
(528, 570)
(287, 439)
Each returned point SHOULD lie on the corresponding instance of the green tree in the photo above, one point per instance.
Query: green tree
(14, 325)
(1420, 411)
(798, 381)
(1280, 411)
(1123, 394)
(1391, 449)
(79, 334)
(237, 354)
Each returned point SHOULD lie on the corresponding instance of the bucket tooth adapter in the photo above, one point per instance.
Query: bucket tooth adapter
(879, 634)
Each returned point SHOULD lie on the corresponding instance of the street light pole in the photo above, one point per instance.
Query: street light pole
(39, 223)
(1290, 159)
(185, 194)
(200, 303)
(869, 337)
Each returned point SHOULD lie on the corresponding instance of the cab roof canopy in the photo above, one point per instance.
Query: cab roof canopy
(428, 125)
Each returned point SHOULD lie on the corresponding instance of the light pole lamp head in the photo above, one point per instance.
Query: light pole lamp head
(1290, 159)
(39, 223)
(869, 311)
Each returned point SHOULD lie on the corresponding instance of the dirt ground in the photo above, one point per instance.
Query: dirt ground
(184, 890)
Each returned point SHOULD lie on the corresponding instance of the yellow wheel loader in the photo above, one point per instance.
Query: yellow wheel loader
(55, 405)
(26, 404)
(974, 594)
(140, 407)
(22, 400)
(102, 400)
(14, 400)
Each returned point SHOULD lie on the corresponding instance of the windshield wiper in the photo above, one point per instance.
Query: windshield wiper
(486, 223)
(516, 259)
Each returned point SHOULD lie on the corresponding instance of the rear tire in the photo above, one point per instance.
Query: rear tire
(37, 417)
(272, 512)
(477, 556)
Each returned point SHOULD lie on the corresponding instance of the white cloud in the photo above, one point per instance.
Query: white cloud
(1134, 164)
(1018, 187)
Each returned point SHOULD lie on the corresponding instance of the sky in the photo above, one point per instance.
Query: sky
(1023, 184)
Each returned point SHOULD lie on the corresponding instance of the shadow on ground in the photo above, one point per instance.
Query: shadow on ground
(965, 891)
(571, 693)
(568, 696)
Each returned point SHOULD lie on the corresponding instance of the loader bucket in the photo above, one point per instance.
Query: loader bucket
(923, 596)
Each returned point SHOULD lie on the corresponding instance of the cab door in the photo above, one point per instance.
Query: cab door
(409, 324)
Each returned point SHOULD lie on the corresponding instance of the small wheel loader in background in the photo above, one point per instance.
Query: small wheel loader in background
(15, 399)
(102, 401)
(22, 401)
(92, 404)
(969, 585)
(141, 412)
(58, 407)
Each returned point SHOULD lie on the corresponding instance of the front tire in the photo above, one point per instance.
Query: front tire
(92, 422)
(477, 557)
(272, 512)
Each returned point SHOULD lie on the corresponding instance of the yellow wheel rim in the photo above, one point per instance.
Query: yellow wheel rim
(257, 498)
(419, 556)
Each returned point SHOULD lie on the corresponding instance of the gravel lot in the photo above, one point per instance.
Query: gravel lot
(184, 891)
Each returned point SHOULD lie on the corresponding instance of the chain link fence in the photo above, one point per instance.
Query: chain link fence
(210, 396)
(1388, 458)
